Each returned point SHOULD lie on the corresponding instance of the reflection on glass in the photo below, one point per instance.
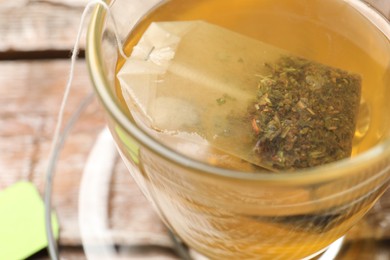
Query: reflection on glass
(220, 204)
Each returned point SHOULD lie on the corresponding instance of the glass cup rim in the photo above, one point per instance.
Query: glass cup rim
(323, 173)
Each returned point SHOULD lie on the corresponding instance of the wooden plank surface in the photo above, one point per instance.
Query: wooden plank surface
(38, 25)
(30, 93)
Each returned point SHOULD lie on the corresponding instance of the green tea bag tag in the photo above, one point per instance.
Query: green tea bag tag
(22, 222)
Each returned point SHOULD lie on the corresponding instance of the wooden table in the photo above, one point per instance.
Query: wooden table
(36, 37)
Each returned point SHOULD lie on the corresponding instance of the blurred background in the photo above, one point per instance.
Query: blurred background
(36, 37)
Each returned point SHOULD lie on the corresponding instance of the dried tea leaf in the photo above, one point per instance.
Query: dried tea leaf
(305, 114)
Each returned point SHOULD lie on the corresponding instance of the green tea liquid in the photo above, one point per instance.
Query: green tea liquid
(331, 32)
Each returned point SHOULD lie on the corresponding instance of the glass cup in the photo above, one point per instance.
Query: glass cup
(228, 214)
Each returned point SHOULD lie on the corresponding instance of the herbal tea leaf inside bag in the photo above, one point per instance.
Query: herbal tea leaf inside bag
(200, 84)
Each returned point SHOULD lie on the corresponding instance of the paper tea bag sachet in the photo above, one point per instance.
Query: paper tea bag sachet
(197, 81)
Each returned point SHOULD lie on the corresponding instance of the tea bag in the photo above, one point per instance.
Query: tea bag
(209, 86)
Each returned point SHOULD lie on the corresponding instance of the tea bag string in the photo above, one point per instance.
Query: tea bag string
(60, 137)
